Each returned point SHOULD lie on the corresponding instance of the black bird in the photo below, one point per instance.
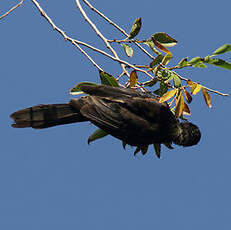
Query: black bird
(132, 116)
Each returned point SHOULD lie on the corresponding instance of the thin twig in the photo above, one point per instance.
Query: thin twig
(109, 56)
(116, 26)
(77, 43)
(211, 90)
(93, 26)
(13, 8)
(126, 41)
(73, 41)
(104, 17)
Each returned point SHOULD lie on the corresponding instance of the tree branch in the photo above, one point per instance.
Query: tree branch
(73, 41)
(76, 43)
(211, 90)
(93, 26)
(116, 26)
(12, 9)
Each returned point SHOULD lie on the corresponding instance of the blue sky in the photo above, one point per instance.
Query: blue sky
(52, 179)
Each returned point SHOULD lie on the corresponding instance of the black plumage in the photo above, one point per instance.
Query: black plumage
(132, 116)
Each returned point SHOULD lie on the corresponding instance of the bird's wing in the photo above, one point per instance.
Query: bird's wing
(140, 103)
(134, 120)
(112, 92)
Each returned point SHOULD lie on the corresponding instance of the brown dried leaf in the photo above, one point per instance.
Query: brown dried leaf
(179, 105)
(186, 110)
(168, 95)
(133, 78)
(160, 46)
(187, 95)
(207, 97)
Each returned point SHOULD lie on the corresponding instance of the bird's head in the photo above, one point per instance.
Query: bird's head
(188, 134)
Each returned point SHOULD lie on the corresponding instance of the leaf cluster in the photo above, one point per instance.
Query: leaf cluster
(166, 84)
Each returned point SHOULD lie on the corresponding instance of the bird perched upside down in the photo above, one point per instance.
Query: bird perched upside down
(134, 117)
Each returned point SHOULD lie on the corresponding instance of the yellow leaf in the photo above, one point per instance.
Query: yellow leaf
(190, 83)
(188, 97)
(207, 97)
(133, 78)
(186, 110)
(168, 95)
(167, 58)
(195, 89)
(179, 105)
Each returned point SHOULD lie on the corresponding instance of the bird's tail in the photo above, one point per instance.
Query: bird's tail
(44, 116)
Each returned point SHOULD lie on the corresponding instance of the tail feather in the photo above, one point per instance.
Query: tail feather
(44, 116)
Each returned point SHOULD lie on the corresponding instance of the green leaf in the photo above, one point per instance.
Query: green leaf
(183, 62)
(218, 62)
(164, 39)
(162, 90)
(107, 79)
(151, 44)
(176, 81)
(164, 74)
(195, 60)
(157, 148)
(150, 83)
(223, 49)
(76, 89)
(99, 133)
(170, 77)
(135, 28)
(128, 50)
(200, 65)
(156, 61)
